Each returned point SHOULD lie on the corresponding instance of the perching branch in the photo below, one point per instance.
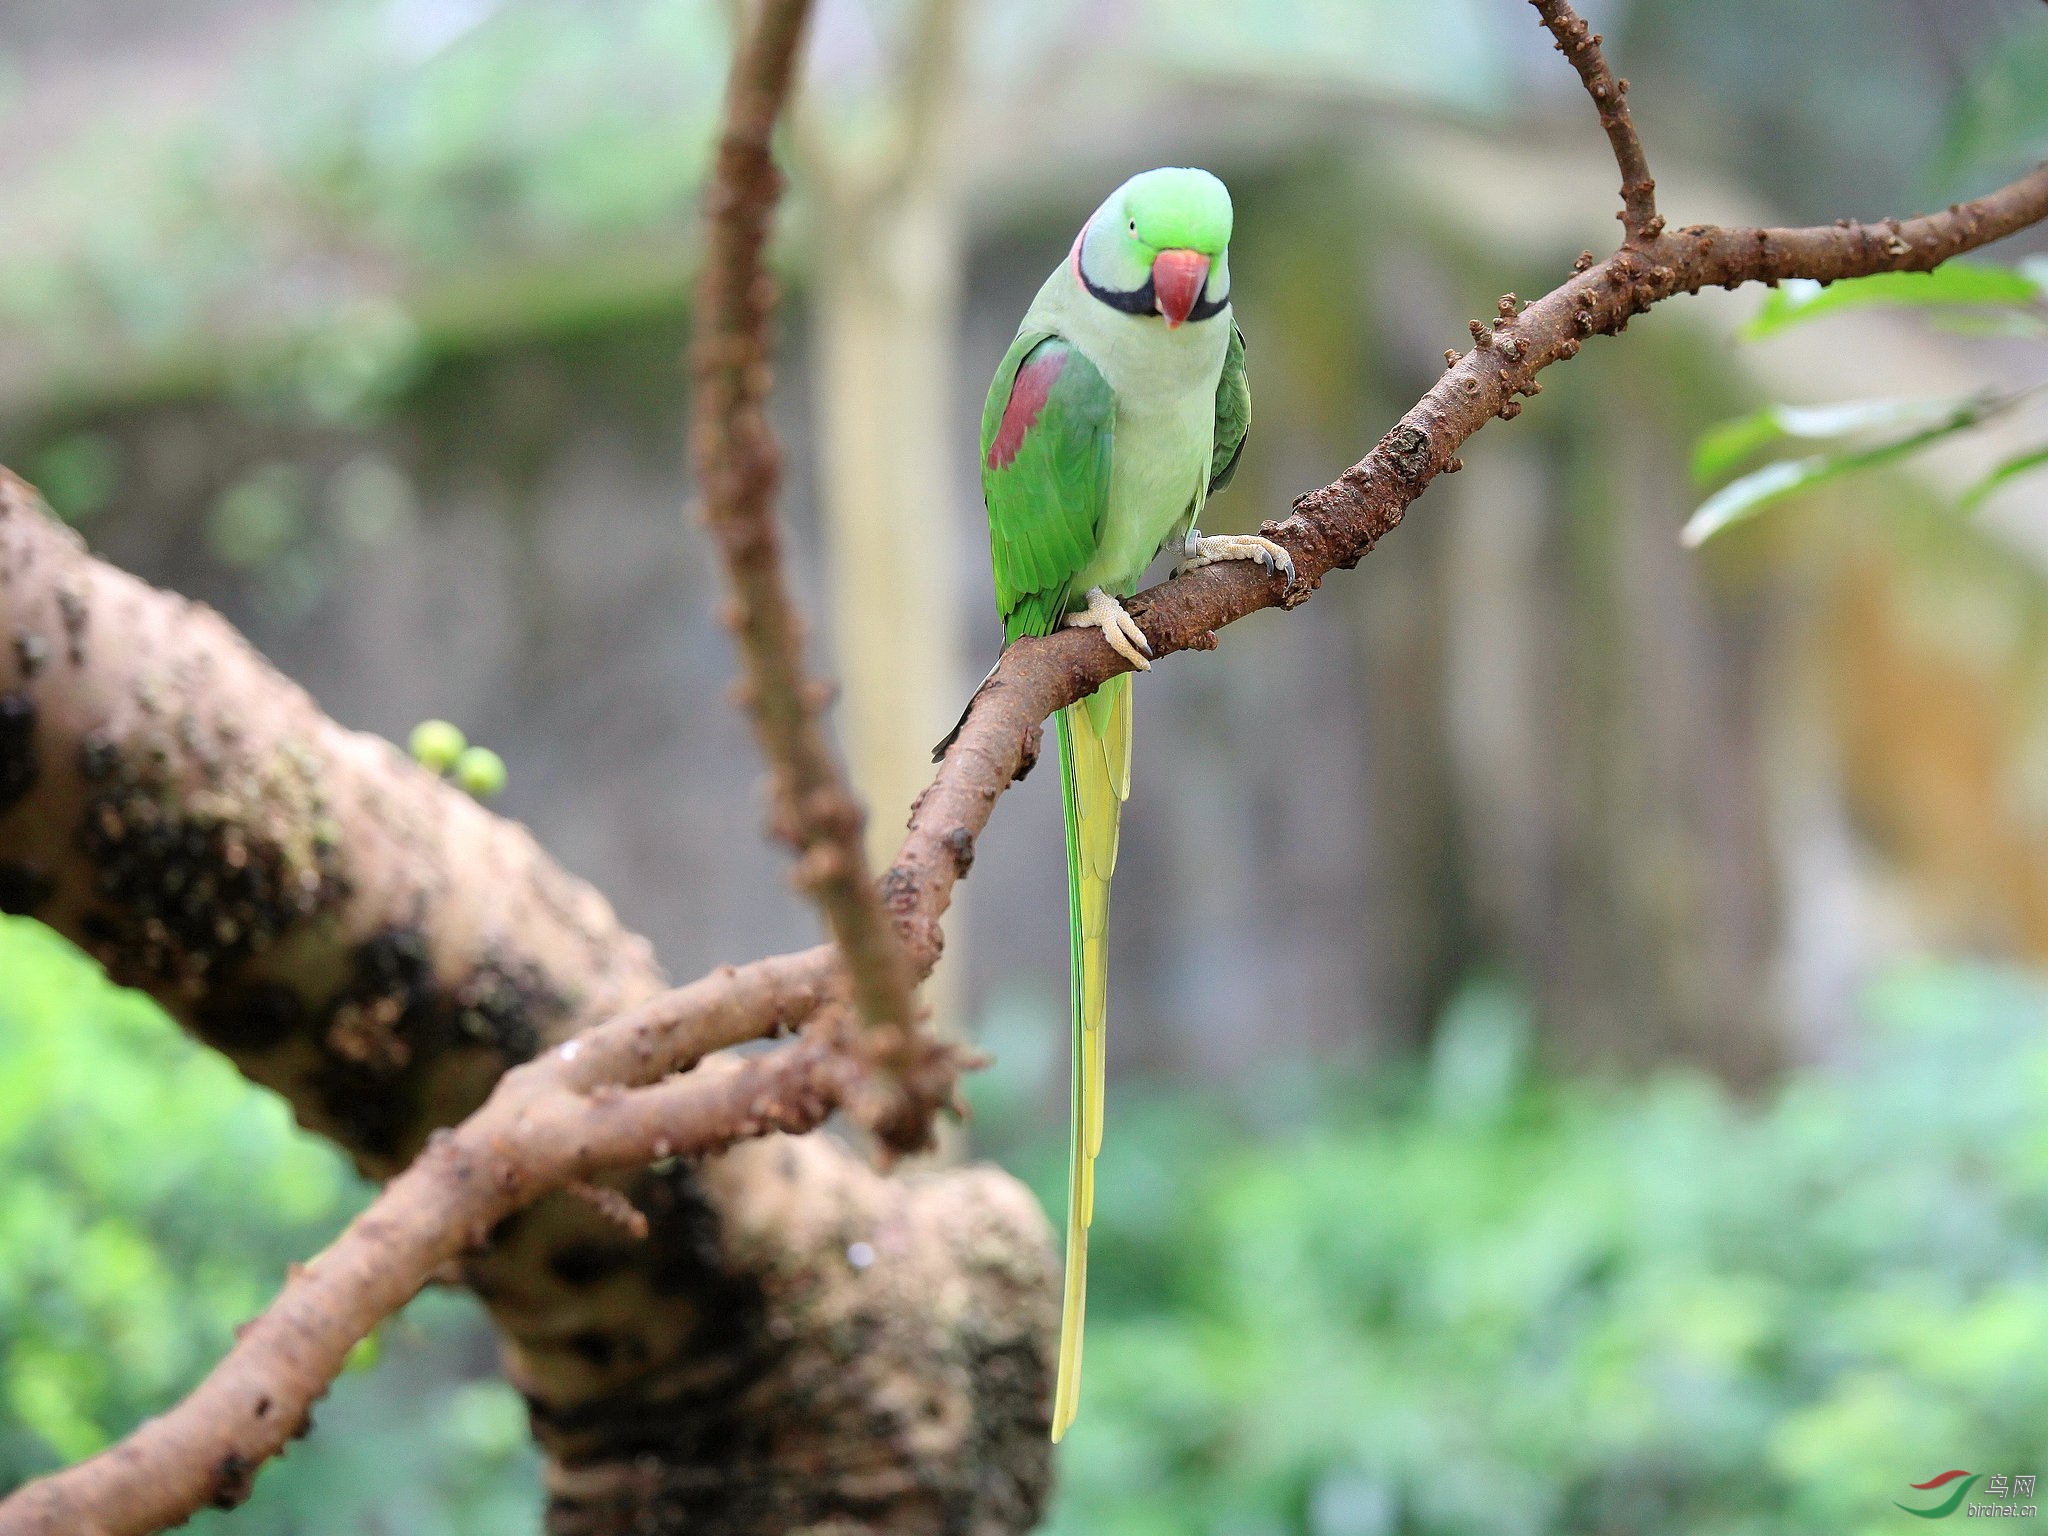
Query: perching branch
(1581, 45)
(739, 468)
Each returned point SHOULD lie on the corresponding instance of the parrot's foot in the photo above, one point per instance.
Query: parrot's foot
(1197, 551)
(1118, 627)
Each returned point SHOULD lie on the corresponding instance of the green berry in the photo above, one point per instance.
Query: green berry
(480, 772)
(364, 1353)
(436, 745)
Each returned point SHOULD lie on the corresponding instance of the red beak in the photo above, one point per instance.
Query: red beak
(1178, 278)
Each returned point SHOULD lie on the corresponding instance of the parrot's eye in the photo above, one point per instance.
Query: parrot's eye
(1134, 226)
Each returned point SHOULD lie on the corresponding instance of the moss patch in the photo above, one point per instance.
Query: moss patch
(17, 748)
(23, 887)
(191, 882)
(395, 1017)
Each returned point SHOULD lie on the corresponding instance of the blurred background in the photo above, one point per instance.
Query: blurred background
(1579, 1051)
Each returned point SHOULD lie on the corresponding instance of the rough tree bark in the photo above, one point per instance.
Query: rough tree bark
(377, 948)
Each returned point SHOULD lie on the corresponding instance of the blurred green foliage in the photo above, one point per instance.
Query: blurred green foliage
(149, 1204)
(372, 183)
(1481, 1306)
(1460, 1299)
(150, 1200)
(2010, 301)
(366, 157)
(1962, 283)
(1999, 125)
(78, 473)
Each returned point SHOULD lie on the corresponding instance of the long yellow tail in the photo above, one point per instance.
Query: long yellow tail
(1095, 780)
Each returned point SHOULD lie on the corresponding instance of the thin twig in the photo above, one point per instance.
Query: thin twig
(739, 468)
(1581, 45)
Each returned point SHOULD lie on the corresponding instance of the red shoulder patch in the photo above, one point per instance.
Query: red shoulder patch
(1028, 394)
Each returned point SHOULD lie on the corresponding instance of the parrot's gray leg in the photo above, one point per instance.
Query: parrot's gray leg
(1198, 551)
(1118, 627)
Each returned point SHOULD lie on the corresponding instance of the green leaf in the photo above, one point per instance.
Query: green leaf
(2011, 469)
(1744, 498)
(2024, 327)
(1726, 444)
(1952, 283)
(1724, 447)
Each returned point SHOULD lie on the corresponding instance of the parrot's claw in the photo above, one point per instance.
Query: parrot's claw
(1118, 627)
(1198, 550)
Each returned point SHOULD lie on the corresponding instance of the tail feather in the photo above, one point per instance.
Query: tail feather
(1095, 780)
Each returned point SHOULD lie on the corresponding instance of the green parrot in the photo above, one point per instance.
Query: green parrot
(1119, 408)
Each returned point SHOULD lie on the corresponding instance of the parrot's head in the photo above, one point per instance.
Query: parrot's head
(1160, 245)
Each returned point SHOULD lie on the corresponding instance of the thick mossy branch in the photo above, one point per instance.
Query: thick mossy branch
(378, 948)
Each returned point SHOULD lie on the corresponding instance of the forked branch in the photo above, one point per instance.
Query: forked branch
(1580, 44)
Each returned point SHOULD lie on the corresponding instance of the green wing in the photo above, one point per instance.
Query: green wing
(1045, 455)
(1233, 414)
